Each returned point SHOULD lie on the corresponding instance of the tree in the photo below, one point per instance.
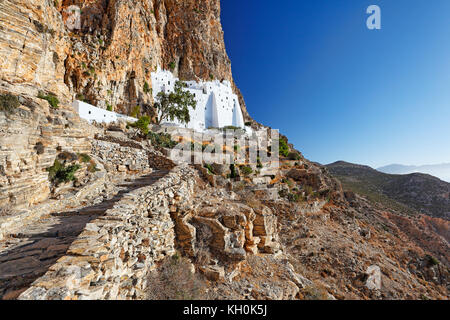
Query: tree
(175, 105)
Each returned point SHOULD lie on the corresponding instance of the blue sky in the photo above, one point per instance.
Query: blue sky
(338, 90)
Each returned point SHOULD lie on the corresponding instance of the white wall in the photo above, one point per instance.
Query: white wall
(91, 113)
(217, 105)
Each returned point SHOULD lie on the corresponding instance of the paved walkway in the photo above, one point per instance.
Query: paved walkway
(27, 255)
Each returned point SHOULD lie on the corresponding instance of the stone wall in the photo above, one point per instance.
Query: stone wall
(116, 157)
(113, 255)
(158, 161)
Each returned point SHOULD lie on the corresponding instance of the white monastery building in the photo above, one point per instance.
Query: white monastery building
(217, 105)
(90, 113)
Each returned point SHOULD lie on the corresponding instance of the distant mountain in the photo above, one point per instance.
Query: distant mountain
(410, 193)
(442, 171)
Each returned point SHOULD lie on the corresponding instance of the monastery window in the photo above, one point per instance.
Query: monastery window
(89, 112)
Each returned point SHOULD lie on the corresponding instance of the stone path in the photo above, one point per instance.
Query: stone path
(27, 255)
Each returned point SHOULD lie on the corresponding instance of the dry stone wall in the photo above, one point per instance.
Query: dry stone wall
(112, 256)
(121, 158)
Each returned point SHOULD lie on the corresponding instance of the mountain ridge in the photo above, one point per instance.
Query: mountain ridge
(420, 192)
(441, 171)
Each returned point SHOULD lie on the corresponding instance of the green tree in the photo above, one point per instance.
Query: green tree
(175, 105)
(141, 124)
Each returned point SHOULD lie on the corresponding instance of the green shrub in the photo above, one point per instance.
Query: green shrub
(59, 173)
(294, 156)
(147, 88)
(84, 157)
(80, 97)
(293, 197)
(8, 103)
(246, 170)
(51, 99)
(233, 173)
(163, 140)
(284, 148)
(231, 128)
(210, 168)
(142, 124)
(135, 112)
(109, 107)
(172, 65)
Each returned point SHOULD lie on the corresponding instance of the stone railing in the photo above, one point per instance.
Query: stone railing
(111, 258)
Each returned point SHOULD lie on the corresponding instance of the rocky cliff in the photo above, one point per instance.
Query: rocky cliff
(107, 58)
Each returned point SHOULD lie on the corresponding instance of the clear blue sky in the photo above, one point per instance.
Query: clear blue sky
(340, 91)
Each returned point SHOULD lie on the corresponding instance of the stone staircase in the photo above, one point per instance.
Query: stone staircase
(28, 254)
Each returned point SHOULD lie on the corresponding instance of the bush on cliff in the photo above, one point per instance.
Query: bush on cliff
(8, 103)
(60, 173)
(284, 148)
(147, 88)
(294, 156)
(162, 140)
(135, 112)
(142, 124)
(174, 280)
(51, 99)
(246, 170)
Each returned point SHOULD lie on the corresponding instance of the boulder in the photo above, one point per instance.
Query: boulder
(373, 281)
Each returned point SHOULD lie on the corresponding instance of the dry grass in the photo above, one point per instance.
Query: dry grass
(204, 237)
(174, 280)
(315, 292)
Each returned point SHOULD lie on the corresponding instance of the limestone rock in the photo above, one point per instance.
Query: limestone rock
(373, 281)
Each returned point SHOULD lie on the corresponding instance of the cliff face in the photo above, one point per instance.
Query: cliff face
(106, 60)
(109, 56)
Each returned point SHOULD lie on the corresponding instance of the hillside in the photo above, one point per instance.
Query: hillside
(406, 193)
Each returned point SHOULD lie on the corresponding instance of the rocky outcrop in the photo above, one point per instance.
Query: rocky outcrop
(108, 60)
(30, 139)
